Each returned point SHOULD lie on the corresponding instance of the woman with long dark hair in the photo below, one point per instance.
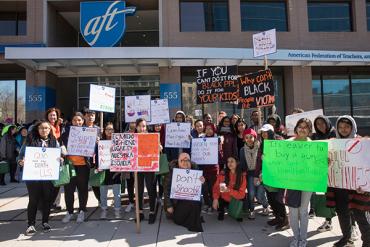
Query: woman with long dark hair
(39, 192)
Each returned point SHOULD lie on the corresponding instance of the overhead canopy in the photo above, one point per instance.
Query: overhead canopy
(81, 61)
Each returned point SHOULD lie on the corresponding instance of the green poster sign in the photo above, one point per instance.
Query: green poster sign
(296, 165)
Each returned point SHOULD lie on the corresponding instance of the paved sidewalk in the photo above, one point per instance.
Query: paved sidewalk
(95, 232)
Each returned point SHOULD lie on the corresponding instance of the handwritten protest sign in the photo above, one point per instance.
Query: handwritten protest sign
(102, 98)
(135, 152)
(204, 151)
(177, 135)
(217, 84)
(291, 120)
(41, 163)
(137, 107)
(297, 165)
(82, 141)
(264, 43)
(349, 166)
(159, 112)
(104, 154)
(186, 184)
(256, 89)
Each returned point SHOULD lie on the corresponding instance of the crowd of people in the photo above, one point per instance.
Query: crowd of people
(235, 180)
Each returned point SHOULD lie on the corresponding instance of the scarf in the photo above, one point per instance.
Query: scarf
(251, 155)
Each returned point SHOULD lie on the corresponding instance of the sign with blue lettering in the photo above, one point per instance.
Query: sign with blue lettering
(102, 24)
(172, 92)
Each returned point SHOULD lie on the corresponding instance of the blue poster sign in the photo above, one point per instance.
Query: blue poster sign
(172, 92)
(103, 23)
(39, 98)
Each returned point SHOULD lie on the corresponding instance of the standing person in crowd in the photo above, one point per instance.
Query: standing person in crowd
(297, 110)
(228, 141)
(275, 121)
(148, 177)
(280, 221)
(39, 192)
(158, 178)
(248, 160)
(348, 202)
(298, 217)
(323, 131)
(210, 172)
(183, 212)
(89, 118)
(80, 181)
(8, 152)
(207, 118)
(221, 115)
(239, 127)
(256, 120)
(111, 178)
(190, 119)
(233, 119)
(20, 138)
(198, 130)
(230, 183)
(130, 180)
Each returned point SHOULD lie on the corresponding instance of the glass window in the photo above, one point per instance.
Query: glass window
(329, 16)
(21, 101)
(261, 16)
(7, 98)
(12, 23)
(361, 100)
(316, 92)
(201, 16)
(368, 15)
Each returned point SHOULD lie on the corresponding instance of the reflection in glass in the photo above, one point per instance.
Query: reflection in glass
(316, 92)
(21, 101)
(361, 99)
(7, 98)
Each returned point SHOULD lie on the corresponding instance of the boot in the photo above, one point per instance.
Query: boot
(283, 225)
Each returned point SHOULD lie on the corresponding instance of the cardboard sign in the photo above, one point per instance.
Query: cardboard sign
(296, 165)
(41, 163)
(204, 151)
(177, 135)
(82, 141)
(291, 120)
(104, 154)
(135, 152)
(217, 84)
(137, 107)
(349, 166)
(264, 43)
(186, 184)
(159, 112)
(256, 89)
(102, 98)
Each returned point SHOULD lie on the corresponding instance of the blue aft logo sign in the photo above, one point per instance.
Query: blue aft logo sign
(102, 24)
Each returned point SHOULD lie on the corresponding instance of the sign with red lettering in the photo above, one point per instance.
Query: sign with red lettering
(135, 152)
(349, 166)
(217, 84)
(256, 89)
(104, 154)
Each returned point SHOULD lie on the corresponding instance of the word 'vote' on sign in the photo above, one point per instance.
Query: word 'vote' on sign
(256, 89)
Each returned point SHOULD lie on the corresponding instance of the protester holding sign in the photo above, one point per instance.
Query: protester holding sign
(158, 178)
(230, 185)
(80, 181)
(248, 160)
(198, 130)
(39, 192)
(228, 141)
(347, 202)
(186, 213)
(239, 127)
(111, 178)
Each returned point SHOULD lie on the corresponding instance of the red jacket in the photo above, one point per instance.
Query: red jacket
(237, 194)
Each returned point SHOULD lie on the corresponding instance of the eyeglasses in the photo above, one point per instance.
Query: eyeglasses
(185, 160)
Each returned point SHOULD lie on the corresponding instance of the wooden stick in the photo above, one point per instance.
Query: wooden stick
(137, 204)
(101, 122)
(265, 62)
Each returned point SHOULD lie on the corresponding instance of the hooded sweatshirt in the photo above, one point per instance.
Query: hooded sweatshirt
(278, 127)
(354, 127)
(329, 133)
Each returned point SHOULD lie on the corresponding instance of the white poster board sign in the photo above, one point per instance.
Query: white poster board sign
(104, 154)
(102, 98)
(82, 141)
(349, 166)
(160, 113)
(264, 43)
(41, 163)
(204, 151)
(177, 135)
(137, 107)
(186, 184)
(291, 120)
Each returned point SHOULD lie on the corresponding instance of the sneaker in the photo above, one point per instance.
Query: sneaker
(344, 243)
(205, 209)
(81, 217)
(117, 213)
(294, 243)
(67, 218)
(129, 207)
(273, 222)
(355, 235)
(31, 230)
(103, 214)
(46, 227)
(151, 218)
(311, 214)
(265, 212)
(251, 215)
(326, 226)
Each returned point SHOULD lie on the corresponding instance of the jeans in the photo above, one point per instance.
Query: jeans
(116, 193)
(298, 218)
(255, 191)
